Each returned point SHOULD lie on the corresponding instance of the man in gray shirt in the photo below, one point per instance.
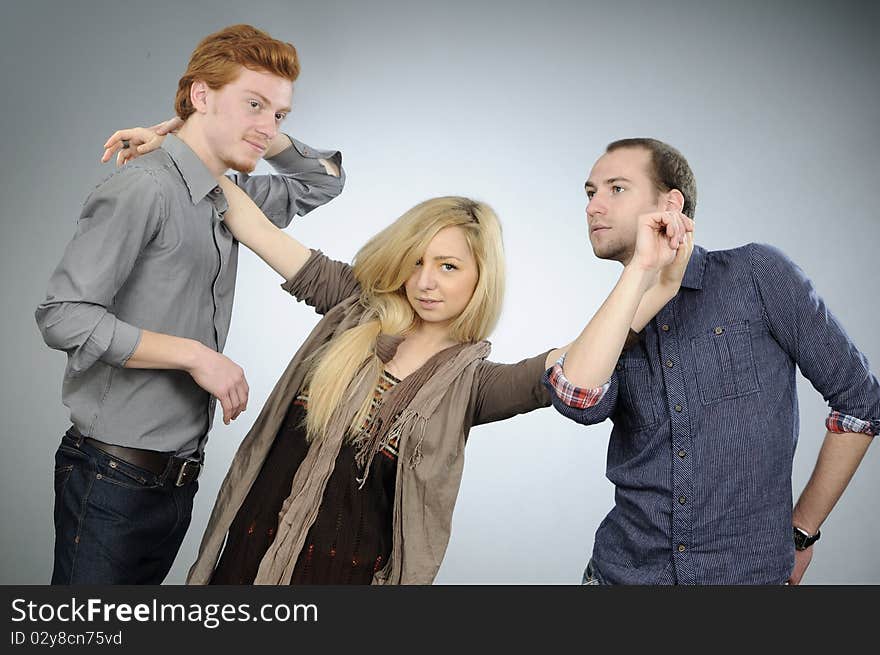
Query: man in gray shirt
(141, 302)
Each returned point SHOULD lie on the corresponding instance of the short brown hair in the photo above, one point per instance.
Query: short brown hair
(669, 169)
(217, 58)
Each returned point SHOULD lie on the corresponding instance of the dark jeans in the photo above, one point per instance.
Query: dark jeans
(115, 523)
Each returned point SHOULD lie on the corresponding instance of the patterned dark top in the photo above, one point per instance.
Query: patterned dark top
(351, 537)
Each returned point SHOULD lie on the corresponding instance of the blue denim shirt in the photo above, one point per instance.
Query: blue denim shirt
(705, 418)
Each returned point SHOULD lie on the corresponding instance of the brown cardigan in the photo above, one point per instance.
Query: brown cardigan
(425, 493)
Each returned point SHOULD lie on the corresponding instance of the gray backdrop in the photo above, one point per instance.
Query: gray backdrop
(774, 104)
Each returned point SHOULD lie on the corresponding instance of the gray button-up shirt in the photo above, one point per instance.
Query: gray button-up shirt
(151, 252)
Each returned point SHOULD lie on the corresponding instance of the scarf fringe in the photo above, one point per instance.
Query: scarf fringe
(416, 457)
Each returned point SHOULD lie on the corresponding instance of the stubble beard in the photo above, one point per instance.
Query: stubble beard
(611, 251)
(240, 165)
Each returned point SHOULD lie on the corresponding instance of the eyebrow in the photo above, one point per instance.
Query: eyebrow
(609, 182)
(448, 257)
(266, 100)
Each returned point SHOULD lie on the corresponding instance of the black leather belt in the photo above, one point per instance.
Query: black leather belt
(181, 470)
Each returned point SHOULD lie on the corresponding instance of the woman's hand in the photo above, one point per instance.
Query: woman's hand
(659, 238)
(667, 285)
(136, 141)
(672, 274)
(242, 217)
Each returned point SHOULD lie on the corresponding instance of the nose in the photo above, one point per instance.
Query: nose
(267, 126)
(596, 205)
(427, 279)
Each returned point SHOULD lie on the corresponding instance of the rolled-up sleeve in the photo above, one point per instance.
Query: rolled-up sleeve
(570, 394)
(585, 406)
(118, 219)
(301, 185)
(801, 323)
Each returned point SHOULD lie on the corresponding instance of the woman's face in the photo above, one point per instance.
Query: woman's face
(444, 279)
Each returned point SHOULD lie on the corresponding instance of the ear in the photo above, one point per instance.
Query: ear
(674, 200)
(198, 94)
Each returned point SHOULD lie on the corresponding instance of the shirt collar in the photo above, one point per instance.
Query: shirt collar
(195, 174)
(693, 274)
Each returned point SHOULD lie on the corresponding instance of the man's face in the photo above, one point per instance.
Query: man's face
(619, 190)
(244, 116)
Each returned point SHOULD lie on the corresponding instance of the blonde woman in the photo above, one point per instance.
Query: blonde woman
(351, 471)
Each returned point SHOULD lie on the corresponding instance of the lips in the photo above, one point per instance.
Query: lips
(599, 228)
(256, 146)
(428, 302)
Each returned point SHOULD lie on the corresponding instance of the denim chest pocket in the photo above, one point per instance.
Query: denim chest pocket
(635, 392)
(724, 362)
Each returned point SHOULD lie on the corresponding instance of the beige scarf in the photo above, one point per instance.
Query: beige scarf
(301, 507)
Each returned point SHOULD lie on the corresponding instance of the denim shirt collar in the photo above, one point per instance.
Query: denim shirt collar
(693, 274)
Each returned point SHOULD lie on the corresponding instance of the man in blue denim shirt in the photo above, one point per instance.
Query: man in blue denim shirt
(703, 396)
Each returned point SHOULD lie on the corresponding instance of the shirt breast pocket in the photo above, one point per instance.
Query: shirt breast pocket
(635, 395)
(724, 362)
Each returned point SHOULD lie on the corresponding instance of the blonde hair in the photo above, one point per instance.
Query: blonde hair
(382, 267)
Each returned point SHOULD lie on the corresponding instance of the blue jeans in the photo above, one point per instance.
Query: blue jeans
(592, 575)
(115, 523)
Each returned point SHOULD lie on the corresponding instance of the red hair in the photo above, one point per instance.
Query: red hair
(218, 57)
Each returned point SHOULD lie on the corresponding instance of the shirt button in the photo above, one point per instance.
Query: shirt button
(682, 500)
(669, 363)
(678, 408)
(619, 367)
(682, 454)
(719, 330)
(681, 548)
(216, 191)
(664, 327)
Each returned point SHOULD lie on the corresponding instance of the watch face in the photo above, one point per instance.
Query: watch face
(803, 540)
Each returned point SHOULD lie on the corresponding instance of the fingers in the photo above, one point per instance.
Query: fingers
(675, 226)
(667, 225)
(239, 397)
(173, 124)
(114, 143)
(140, 141)
(115, 138)
(117, 143)
(165, 127)
(226, 403)
(109, 150)
(236, 404)
(125, 154)
(243, 395)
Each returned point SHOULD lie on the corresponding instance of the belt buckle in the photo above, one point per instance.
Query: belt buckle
(182, 474)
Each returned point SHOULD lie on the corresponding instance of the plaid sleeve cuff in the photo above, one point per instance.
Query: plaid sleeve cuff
(571, 395)
(839, 422)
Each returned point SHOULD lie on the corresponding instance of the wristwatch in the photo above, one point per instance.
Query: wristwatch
(803, 539)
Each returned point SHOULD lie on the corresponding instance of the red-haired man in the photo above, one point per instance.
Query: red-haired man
(142, 299)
